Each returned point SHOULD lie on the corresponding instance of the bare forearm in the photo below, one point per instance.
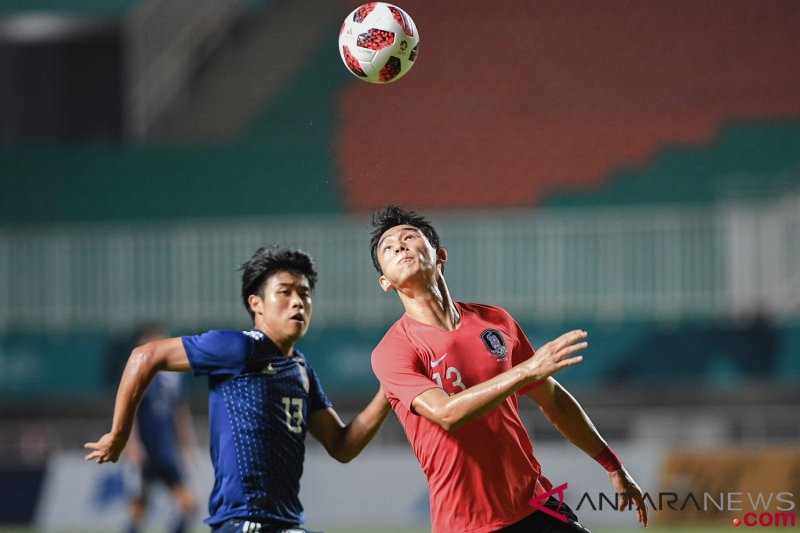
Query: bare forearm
(459, 409)
(450, 412)
(360, 431)
(143, 363)
(566, 414)
(139, 371)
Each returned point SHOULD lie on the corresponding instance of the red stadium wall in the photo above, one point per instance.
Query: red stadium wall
(511, 100)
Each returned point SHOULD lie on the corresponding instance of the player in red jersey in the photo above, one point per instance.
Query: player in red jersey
(452, 372)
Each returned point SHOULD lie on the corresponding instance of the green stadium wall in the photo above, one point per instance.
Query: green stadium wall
(713, 356)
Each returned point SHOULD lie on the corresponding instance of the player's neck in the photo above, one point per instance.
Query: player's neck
(286, 347)
(432, 305)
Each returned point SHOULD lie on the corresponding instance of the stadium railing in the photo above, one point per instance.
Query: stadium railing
(610, 264)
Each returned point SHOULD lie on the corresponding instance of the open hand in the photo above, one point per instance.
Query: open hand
(106, 450)
(557, 354)
(630, 495)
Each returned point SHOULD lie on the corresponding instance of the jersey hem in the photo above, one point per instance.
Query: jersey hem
(489, 528)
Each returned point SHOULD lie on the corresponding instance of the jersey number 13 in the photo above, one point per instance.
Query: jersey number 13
(452, 375)
(294, 413)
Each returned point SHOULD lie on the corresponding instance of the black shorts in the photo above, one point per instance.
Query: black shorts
(237, 525)
(541, 522)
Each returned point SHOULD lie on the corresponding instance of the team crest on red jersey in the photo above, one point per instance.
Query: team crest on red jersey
(494, 342)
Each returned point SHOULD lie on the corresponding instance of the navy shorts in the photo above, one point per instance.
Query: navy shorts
(237, 525)
(148, 475)
(167, 473)
(541, 522)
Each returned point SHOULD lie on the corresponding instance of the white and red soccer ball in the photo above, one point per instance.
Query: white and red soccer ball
(378, 42)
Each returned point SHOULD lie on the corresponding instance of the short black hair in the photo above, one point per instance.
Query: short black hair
(267, 261)
(392, 215)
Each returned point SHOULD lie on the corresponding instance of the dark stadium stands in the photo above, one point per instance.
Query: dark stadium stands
(281, 166)
(78, 7)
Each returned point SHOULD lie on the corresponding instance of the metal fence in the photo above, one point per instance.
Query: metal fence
(614, 264)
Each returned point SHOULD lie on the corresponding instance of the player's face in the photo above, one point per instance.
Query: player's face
(404, 254)
(284, 310)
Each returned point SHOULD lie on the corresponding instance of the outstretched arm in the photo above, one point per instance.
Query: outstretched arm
(344, 442)
(450, 412)
(143, 363)
(566, 414)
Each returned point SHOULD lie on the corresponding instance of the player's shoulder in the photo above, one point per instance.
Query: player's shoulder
(226, 340)
(396, 336)
(396, 332)
(226, 335)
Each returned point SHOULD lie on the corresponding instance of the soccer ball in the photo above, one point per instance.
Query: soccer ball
(378, 42)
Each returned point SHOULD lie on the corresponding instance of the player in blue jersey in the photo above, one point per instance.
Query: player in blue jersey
(162, 428)
(263, 398)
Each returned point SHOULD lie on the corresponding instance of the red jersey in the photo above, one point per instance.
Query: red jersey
(481, 475)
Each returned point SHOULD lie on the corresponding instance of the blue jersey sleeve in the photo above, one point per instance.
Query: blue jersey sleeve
(316, 396)
(218, 352)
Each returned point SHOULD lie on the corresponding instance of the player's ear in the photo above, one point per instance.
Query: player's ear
(441, 255)
(386, 285)
(256, 303)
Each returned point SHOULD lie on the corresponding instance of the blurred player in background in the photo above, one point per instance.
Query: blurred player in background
(263, 397)
(452, 370)
(163, 429)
